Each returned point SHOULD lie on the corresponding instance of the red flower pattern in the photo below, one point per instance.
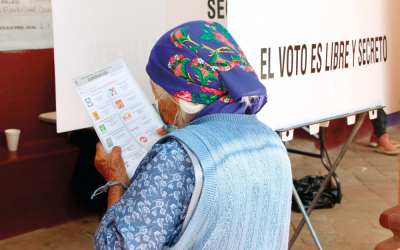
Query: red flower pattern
(220, 60)
(211, 90)
(226, 99)
(220, 37)
(195, 62)
(178, 33)
(184, 95)
(176, 37)
(178, 70)
(223, 39)
(204, 71)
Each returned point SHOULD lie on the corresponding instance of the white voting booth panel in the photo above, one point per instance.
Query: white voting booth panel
(89, 34)
(279, 35)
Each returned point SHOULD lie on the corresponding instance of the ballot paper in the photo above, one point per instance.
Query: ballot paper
(120, 112)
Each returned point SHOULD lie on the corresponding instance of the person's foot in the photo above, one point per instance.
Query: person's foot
(373, 142)
(385, 146)
(395, 143)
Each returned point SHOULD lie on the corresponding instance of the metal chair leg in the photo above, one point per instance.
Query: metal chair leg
(303, 211)
(329, 175)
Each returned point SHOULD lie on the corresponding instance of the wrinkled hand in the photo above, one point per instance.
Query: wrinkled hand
(162, 131)
(111, 166)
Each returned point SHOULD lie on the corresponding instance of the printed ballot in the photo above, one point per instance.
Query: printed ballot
(120, 112)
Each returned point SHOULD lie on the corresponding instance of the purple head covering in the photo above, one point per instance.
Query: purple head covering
(200, 62)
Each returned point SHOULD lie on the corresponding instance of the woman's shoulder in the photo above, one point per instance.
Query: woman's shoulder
(167, 155)
(170, 146)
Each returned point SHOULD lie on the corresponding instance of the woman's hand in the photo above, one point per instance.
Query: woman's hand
(162, 131)
(111, 166)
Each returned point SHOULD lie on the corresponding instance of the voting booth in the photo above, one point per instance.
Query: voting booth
(314, 64)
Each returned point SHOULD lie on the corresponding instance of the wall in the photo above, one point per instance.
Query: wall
(28, 90)
(393, 119)
(44, 158)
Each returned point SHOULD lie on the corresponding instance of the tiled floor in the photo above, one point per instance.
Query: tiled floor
(370, 186)
(369, 182)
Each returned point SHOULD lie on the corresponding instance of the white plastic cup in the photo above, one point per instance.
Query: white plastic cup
(12, 136)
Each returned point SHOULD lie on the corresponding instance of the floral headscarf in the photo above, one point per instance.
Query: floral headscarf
(200, 62)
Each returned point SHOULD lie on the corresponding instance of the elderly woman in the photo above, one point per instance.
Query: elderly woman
(222, 178)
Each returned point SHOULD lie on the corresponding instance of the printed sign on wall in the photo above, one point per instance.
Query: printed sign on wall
(25, 24)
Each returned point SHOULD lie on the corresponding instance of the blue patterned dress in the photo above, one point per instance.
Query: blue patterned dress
(150, 214)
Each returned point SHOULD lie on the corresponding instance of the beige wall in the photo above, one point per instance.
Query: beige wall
(392, 71)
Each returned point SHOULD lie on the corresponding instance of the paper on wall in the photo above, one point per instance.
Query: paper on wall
(26, 24)
(120, 112)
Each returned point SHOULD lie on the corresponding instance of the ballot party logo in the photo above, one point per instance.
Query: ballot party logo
(103, 129)
(126, 164)
(143, 139)
(96, 115)
(89, 102)
(119, 104)
(109, 142)
(112, 91)
(127, 116)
